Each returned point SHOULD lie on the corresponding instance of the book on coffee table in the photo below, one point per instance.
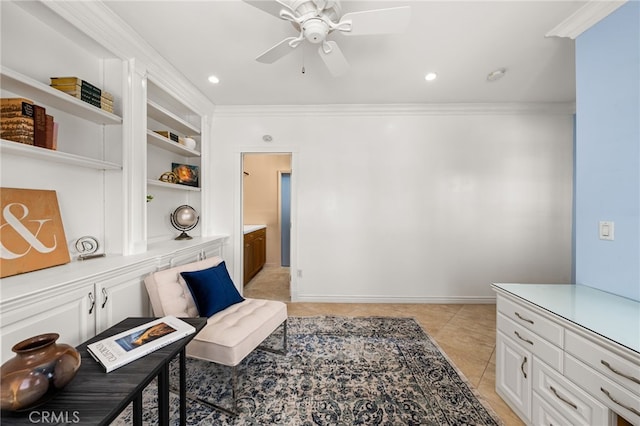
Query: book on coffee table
(127, 346)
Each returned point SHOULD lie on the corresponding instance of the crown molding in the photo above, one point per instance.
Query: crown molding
(98, 24)
(342, 110)
(584, 18)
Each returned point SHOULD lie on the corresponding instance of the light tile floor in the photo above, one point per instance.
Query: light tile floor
(466, 333)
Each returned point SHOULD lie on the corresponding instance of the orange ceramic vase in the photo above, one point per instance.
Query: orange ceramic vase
(40, 368)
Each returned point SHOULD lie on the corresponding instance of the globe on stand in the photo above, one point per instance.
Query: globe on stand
(184, 219)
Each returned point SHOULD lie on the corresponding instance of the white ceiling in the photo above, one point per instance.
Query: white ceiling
(460, 40)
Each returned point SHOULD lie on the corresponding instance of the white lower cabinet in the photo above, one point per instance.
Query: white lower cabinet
(554, 371)
(78, 314)
(513, 375)
(122, 296)
(70, 314)
(89, 298)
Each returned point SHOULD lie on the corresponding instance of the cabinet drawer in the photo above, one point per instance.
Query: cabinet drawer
(539, 347)
(567, 399)
(542, 413)
(614, 396)
(620, 370)
(532, 321)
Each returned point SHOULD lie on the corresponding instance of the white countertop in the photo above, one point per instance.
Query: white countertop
(251, 228)
(614, 317)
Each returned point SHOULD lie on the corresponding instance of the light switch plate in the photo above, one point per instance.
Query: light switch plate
(605, 230)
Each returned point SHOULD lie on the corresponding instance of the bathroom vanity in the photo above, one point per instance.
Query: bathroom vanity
(255, 250)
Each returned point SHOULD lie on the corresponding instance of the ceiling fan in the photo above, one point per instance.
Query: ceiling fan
(316, 19)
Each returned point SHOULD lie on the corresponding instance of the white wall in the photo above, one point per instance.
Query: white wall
(402, 204)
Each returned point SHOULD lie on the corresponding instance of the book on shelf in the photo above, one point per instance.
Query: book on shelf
(17, 120)
(39, 126)
(130, 345)
(169, 135)
(85, 91)
(54, 142)
(16, 107)
(50, 128)
(79, 91)
(67, 83)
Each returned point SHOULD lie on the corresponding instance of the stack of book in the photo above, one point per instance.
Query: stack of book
(16, 119)
(25, 122)
(169, 135)
(84, 91)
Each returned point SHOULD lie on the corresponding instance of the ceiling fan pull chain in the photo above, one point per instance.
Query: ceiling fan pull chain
(303, 52)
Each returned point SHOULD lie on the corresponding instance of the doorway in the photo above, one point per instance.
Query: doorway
(266, 206)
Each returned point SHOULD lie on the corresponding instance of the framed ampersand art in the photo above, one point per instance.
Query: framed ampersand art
(31, 232)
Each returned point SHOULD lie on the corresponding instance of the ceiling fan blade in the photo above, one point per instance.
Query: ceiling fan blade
(379, 21)
(333, 58)
(278, 51)
(272, 7)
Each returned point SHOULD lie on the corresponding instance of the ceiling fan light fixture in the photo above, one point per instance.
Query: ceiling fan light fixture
(496, 74)
(213, 79)
(315, 30)
(315, 20)
(430, 76)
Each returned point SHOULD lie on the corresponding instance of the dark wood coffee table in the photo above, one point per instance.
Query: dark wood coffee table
(97, 398)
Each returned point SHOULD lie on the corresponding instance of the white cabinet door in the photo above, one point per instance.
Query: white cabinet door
(513, 375)
(122, 297)
(70, 314)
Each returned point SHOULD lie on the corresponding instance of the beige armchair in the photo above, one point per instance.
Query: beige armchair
(230, 334)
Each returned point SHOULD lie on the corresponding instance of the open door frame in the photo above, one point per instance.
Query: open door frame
(238, 237)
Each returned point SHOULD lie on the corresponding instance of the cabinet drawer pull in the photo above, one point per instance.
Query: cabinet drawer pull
(566, 401)
(524, 361)
(633, 410)
(105, 297)
(523, 339)
(523, 318)
(619, 373)
(93, 303)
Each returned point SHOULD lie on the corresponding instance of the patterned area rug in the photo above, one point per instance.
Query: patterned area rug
(338, 371)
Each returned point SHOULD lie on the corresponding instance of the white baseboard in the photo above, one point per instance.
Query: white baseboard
(393, 299)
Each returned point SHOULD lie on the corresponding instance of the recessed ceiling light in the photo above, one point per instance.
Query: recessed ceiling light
(431, 76)
(213, 79)
(497, 74)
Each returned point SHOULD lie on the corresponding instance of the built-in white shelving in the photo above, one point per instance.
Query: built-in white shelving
(30, 88)
(160, 141)
(162, 115)
(28, 151)
(176, 186)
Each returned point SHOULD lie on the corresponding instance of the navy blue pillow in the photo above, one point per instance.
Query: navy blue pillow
(212, 289)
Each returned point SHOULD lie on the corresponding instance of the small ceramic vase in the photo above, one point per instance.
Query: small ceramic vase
(190, 143)
(40, 368)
